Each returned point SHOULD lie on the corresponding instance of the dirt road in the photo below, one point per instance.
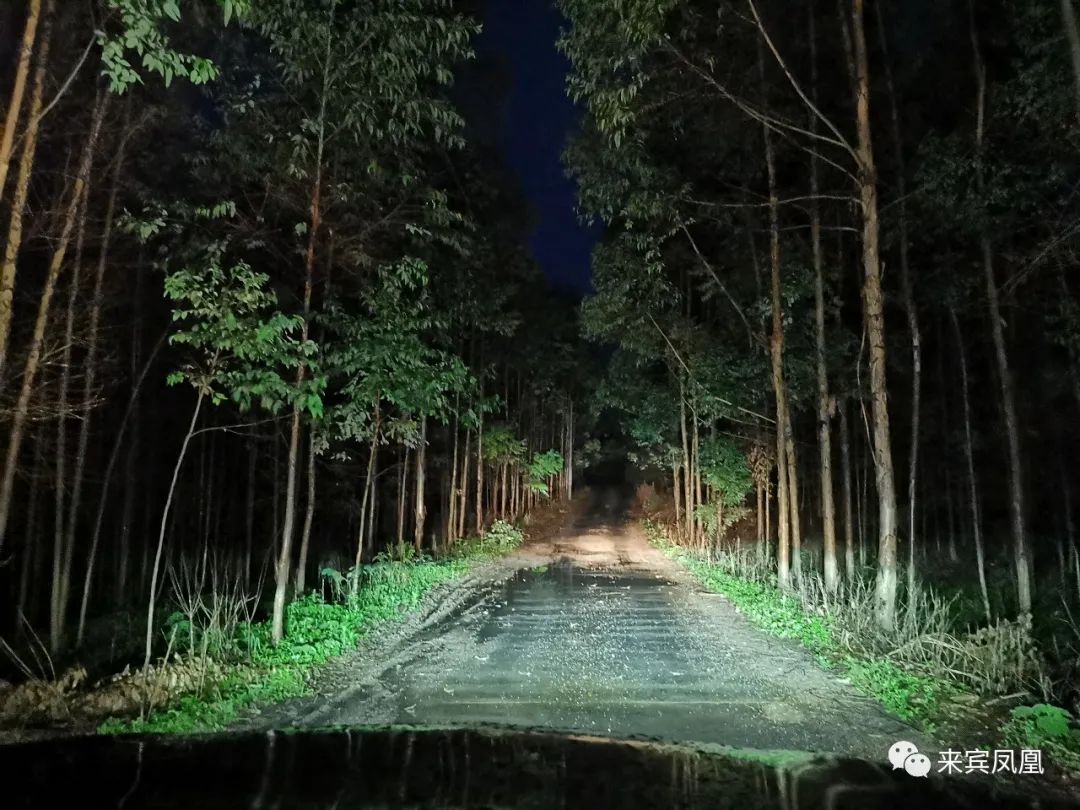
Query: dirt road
(593, 631)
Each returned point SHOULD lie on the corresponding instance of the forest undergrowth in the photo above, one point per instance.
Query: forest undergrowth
(218, 659)
(954, 682)
(322, 625)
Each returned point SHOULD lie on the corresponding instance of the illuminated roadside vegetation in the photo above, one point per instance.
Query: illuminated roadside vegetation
(249, 670)
(916, 698)
(928, 692)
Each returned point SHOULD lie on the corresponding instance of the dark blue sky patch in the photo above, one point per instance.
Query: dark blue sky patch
(537, 118)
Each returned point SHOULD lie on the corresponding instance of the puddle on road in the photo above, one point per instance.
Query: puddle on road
(564, 647)
(570, 577)
(606, 652)
(559, 588)
(558, 584)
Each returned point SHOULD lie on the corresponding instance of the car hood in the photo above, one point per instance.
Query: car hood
(456, 767)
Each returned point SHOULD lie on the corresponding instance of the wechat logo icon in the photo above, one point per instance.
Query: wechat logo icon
(905, 755)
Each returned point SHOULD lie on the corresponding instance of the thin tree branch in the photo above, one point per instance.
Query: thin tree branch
(840, 139)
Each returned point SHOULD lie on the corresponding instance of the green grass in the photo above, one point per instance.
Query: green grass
(219, 706)
(1048, 728)
(317, 631)
(913, 697)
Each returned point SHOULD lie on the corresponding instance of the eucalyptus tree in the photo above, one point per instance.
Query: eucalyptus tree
(874, 313)
(354, 87)
(653, 84)
(563, 373)
(995, 188)
(387, 376)
(18, 89)
(315, 182)
(243, 350)
(638, 391)
(506, 453)
(679, 220)
(497, 316)
(130, 30)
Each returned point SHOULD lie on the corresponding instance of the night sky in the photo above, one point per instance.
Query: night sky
(536, 119)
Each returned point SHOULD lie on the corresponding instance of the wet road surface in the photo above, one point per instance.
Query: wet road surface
(599, 633)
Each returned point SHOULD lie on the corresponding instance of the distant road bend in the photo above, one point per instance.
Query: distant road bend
(591, 630)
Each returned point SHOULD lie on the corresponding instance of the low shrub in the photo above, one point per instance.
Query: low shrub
(1049, 728)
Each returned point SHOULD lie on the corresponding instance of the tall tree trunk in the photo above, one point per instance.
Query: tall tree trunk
(275, 498)
(794, 517)
(60, 486)
(403, 479)
(90, 375)
(845, 466)
(759, 512)
(688, 490)
(30, 539)
(309, 516)
(874, 313)
(114, 457)
(151, 603)
(1012, 432)
(503, 490)
(768, 516)
(282, 570)
(9, 268)
(22, 72)
(419, 507)
(969, 457)
(1008, 397)
(33, 358)
(909, 296)
(365, 499)
(480, 465)
(515, 506)
(452, 494)
(284, 561)
(464, 495)
(865, 518)
(699, 497)
(776, 352)
(828, 505)
(676, 488)
(369, 540)
(1072, 34)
